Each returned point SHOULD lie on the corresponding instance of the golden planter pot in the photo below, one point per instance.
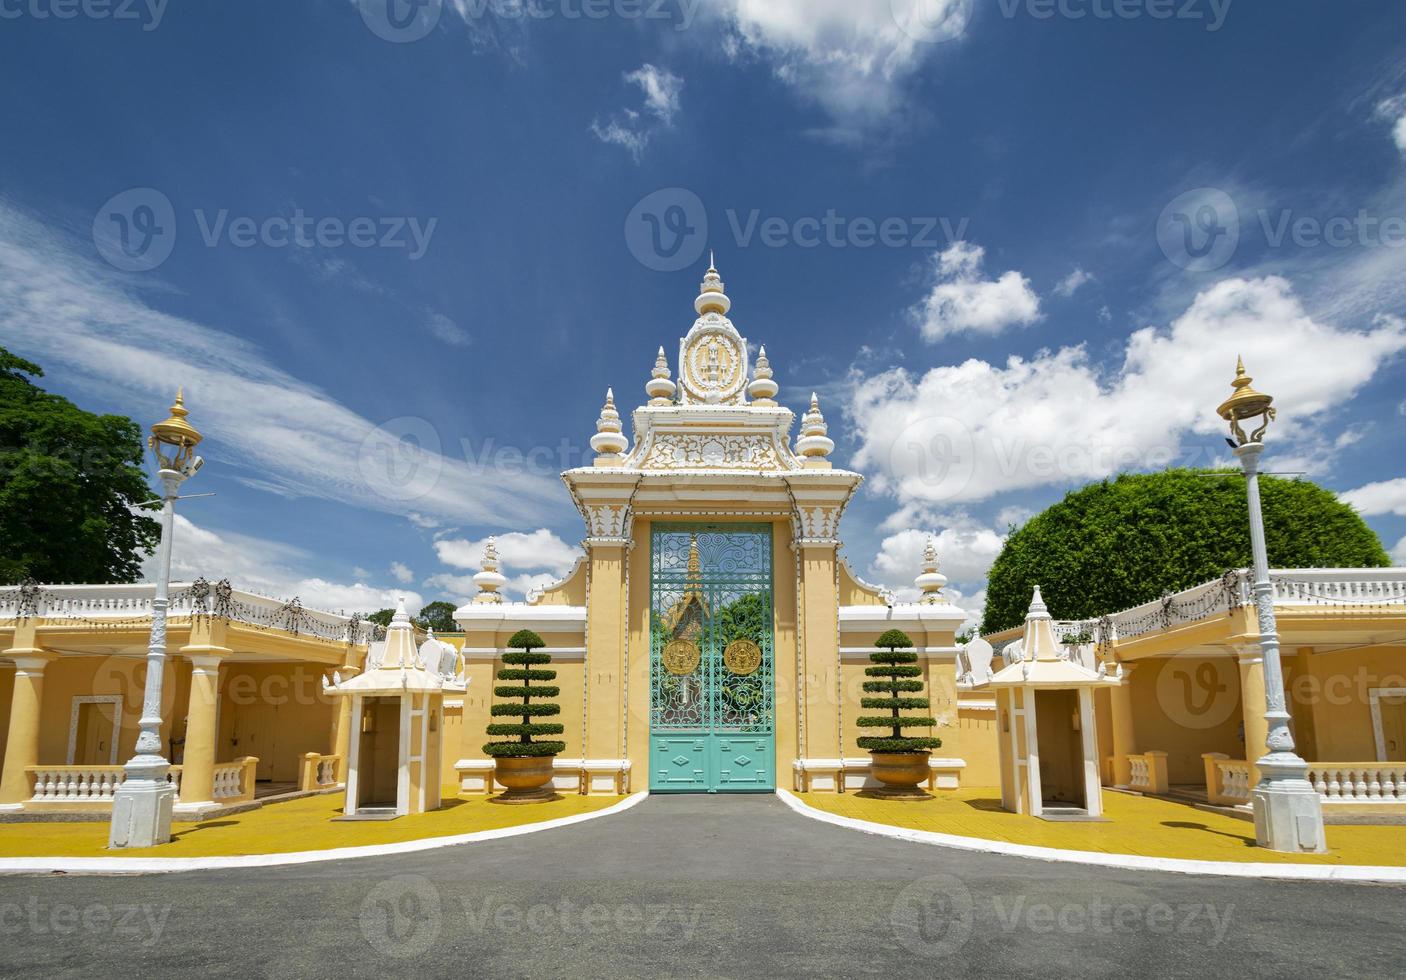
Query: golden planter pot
(901, 774)
(524, 780)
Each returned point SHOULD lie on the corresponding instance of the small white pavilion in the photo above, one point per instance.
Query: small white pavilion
(394, 756)
(1047, 737)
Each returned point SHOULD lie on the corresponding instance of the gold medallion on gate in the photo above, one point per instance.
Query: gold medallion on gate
(681, 657)
(742, 657)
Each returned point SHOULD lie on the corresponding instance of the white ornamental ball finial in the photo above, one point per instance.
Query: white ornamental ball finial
(763, 390)
(659, 388)
(813, 443)
(609, 441)
(711, 298)
(490, 580)
(931, 581)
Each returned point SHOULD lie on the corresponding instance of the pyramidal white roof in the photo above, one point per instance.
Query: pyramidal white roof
(400, 670)
(1042, 663)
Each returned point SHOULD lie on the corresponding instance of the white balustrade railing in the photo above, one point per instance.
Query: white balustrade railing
(1141, 773)
(1359, 782)
(1234, 781)
(82, 784)
(229, 781)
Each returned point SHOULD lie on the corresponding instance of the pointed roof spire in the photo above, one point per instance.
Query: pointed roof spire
(931, 580)
(659, 387)
(711, 297)
(814, 444)
(489, 579)
(762, 390)
(609, 441)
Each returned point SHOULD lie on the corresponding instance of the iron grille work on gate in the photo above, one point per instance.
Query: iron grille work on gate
(711, 585)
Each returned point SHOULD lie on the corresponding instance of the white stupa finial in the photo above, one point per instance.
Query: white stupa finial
(711, 297)
(931, 581)
(401, 619)
(762, 390)
(609, 441)
(489, 580)
(1038, 609)
(814, 444)
(660, 388)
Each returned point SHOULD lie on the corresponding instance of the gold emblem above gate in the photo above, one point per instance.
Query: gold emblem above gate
(681, 657)
(742, 657)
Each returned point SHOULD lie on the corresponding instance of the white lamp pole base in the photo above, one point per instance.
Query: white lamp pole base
(142, 806)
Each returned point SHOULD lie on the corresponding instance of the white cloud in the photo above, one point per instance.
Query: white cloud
(275, 431)
(1376, 499)
(445, 329)
(633, 128)
(461, 588)
(960, 300)
(967, 432)
(539, 549)
(852, 58)
(661, 89)
(402, 573)
(1394, 112)
(1070, 283)
(965, 551)
(1105, 315)
(271, 568)
(1398, 554)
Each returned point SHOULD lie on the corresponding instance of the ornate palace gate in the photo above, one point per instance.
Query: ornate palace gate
(712, 697)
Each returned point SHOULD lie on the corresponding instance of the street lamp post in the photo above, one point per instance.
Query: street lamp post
(1288, 812)
(142, 805)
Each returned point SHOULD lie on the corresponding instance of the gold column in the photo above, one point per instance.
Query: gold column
(205, 651)
(820, 655)
(342, 726)
(605, 627)
(1120, 704)
(22, 745)
(1252, 707)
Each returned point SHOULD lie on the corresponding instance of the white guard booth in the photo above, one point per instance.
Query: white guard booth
(1045, 724)
(393, 766)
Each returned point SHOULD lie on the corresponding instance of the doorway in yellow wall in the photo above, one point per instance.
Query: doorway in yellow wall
(1389, 719)
(94, 726)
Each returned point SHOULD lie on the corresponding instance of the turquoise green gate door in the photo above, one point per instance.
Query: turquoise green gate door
(712, 695)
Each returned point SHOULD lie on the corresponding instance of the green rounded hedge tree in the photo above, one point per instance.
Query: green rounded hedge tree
(1123, 542)
(522, 735)
(900, 673)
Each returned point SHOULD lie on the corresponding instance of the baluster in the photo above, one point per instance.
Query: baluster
(1334, 786)
(70, 785)
(1374, 784)
(85, 784)
(1315, 776)
(1359, 788)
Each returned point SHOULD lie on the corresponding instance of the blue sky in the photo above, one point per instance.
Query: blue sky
(1014, 245)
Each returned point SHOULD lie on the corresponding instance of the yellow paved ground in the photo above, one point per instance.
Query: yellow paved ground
(297, 825)
(1137, 825)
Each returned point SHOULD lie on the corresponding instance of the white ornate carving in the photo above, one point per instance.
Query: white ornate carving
(608, 520)
(683, 451)
(713, 362)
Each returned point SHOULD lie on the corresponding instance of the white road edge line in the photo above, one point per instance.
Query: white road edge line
(1229, 869)
(117, 865)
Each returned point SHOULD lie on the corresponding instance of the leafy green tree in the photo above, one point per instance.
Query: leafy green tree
(382, 617)
(69, 485)
(438, 616)
(1123, 542)
(523, 669)
(900, 672)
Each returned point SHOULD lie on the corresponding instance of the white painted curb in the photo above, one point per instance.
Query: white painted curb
(1135, 862)
(117, 865)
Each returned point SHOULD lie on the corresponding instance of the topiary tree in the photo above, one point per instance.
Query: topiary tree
(1119, 543)
(524, 669)
(900, 672)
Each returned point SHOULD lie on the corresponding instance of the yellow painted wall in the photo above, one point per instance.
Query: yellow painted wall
(70, 677)
(853, 593)
(979, 747)
(1335, 691)
(1187, 706)
(276, 712)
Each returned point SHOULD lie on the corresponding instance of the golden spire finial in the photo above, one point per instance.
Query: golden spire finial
(695, 563)
(1246, 403)
(1239, 367)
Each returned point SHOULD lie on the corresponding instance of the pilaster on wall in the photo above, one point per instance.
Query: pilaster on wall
(22, 744)
(820, 651)
(605, 645)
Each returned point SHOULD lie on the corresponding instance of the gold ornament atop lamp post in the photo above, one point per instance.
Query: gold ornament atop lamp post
(142, 805)
(1288, 811)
